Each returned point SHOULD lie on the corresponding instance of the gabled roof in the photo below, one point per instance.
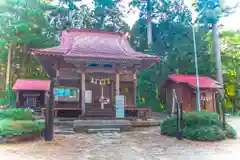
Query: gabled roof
(88, 43)
(32, 84)
(204, 82)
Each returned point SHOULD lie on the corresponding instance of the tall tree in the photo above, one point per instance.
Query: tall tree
(230, 45)
(173, 42)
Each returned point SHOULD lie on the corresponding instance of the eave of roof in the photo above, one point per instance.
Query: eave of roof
(204, 82)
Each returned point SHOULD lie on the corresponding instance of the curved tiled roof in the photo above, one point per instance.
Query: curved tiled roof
(88, 43)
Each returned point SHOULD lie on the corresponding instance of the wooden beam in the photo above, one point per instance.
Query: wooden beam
(83, 88)
(49, 118)
(112, 92)
(117, 84)
(134, 88)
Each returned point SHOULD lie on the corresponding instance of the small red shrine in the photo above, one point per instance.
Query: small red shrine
(185, 88)
(99, 65)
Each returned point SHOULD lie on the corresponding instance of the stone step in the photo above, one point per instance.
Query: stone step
(92, 130)
(64, 132)
(97, 117)
(100, 112)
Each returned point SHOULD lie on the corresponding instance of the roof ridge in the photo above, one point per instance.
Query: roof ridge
(93, 31)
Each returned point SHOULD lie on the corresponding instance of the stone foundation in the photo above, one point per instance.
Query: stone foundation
(81, 126)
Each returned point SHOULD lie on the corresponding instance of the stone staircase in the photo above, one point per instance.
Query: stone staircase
(95, 112)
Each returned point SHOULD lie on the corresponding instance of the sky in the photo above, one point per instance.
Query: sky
(231, 22)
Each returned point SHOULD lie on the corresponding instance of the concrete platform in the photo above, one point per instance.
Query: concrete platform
(146, 123)
(81, 126)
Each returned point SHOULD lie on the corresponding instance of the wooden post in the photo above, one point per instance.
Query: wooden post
(49, 118)
(112, 92)
(57, 84)
(102, 97)
(83, 86)
(117, 84)
(17, 99)
(134, 88)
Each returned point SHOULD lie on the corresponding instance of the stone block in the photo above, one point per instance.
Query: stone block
(80, 126)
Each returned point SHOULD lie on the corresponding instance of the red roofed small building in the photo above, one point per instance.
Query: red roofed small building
(101, 65)
(185, 88)
(31, 93)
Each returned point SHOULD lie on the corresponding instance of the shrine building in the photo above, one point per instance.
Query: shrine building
(90, 68)
(185, 89)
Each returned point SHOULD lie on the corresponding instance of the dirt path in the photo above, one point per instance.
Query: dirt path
(140, 144)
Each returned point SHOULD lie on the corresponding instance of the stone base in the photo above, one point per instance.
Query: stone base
(147, 123)
(81, 126)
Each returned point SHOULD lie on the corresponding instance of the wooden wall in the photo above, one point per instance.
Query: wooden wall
(126, 89)
(187, 96)
(41, 97)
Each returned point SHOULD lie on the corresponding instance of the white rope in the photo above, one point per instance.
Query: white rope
(204, 98)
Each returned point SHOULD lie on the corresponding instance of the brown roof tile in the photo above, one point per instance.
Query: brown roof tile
(88, 43)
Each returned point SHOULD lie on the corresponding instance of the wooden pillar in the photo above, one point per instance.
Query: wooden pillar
(17, 99)
(112, 92)
(57, 85)
(83, 88)
(49, 118)
(117, 84)
(134, 88)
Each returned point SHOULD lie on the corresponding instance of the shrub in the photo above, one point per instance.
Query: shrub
(204, 133)
(169, 127)
(203, 126)
(230, 132)
(16, 114)
(192, 119)
(10, 127)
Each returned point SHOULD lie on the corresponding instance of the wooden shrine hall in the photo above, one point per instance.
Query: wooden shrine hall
(89, 69)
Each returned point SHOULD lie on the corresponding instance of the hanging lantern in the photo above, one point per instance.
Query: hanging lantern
(109, 81)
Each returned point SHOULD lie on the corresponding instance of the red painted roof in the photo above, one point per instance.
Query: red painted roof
(204, 82)
(88, 43)
(32, 84)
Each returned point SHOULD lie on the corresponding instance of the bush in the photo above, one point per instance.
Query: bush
(169, 127)
(204, 133)
(18, 121)
(17, 114)
(230, 132)
(203, 126)
(10, 127)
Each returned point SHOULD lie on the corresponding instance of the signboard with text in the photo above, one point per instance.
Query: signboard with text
(120, 103)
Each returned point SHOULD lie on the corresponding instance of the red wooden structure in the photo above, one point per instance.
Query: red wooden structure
(185, 88)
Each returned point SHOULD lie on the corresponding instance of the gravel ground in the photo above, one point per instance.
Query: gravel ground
(140, 144)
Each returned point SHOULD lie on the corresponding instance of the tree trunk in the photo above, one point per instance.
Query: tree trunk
(149, 23)
(8, 67)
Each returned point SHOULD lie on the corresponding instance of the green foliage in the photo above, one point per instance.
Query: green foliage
(203, 126)
(230, 132)
(16, 114)
(10, 127)
(230, 42)
(204, 133)
(203, 118)
(17, 121)
(173, 42)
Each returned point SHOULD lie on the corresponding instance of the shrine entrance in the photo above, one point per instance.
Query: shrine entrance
(103, 86)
